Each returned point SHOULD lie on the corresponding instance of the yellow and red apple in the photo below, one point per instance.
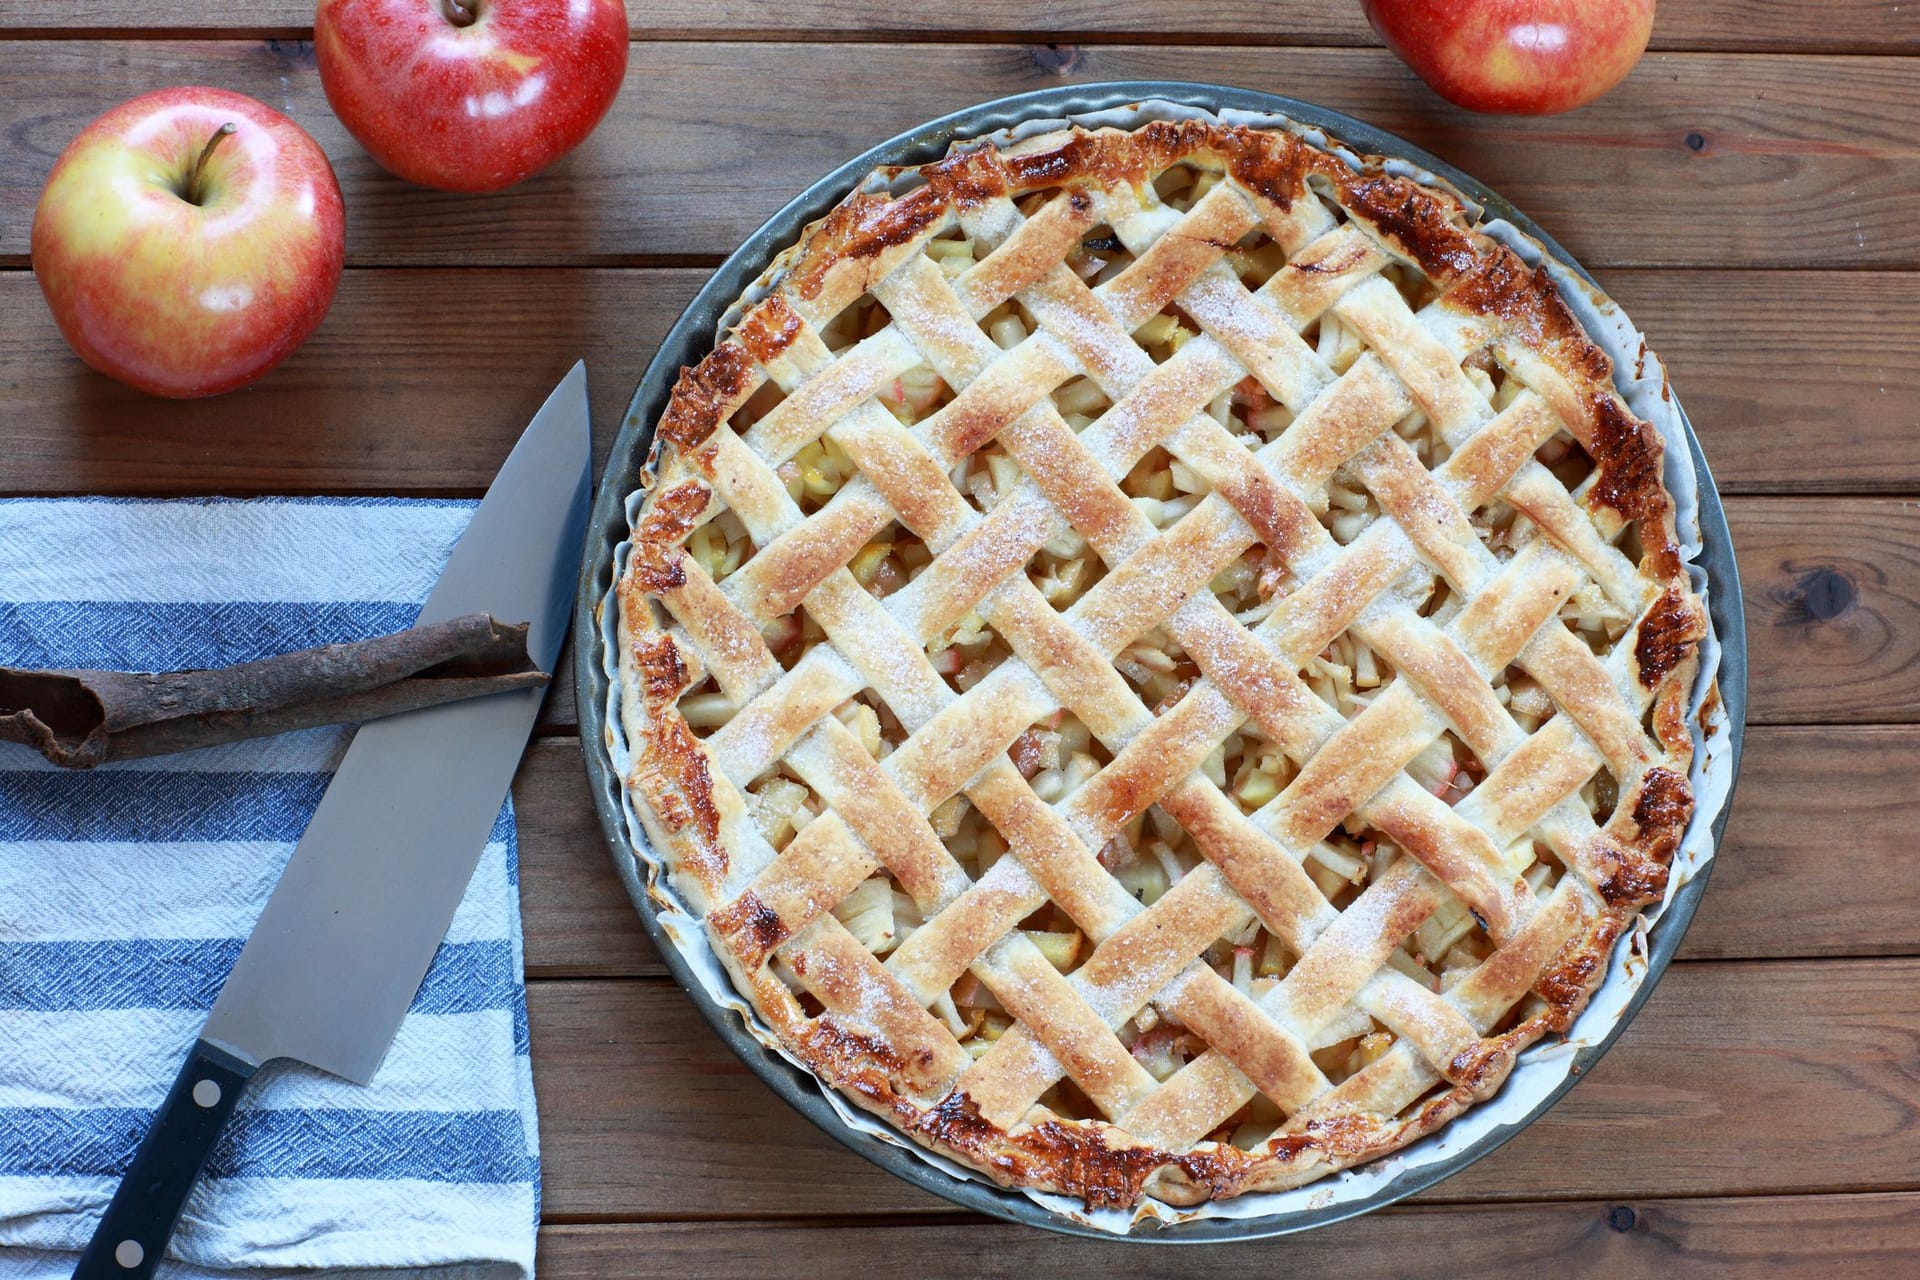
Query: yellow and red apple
(188, 240)
(1521, 57)
(470, 95)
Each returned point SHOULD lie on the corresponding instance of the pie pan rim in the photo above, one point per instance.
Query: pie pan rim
(694, 333)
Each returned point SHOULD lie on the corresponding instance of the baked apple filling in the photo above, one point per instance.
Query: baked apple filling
(1151, 853)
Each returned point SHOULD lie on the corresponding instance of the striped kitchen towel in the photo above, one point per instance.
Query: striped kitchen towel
(126, 892)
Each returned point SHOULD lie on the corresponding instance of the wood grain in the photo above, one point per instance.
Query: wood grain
(1776, 368)
(1755, 1238)
(1800, 162)
(1833, 608)
(1755, 1121)
(558, 714)
(1838, 25)
(1818, 854)
(646, 1114)
(574, 910)
(417, 382)
(420, 380)
(1822, 822)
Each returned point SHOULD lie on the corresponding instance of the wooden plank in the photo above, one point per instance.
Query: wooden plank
(1728, 1067)
(398, 351)
(558, 714)
(1833, 608)
(574, 911)
(1749, 1237)
(1839, 25)
(1822, 820)
(417, 382)
(401, 391)
(645, 1113)
(1702, 24)
(1799, 162)
(1777, 372)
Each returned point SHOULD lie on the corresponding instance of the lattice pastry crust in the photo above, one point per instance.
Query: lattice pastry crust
(1161, 659)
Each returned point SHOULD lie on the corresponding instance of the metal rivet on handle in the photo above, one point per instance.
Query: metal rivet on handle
(128, 1253)
(206, 1093)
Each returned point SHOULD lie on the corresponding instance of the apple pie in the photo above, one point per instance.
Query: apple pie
(1160, 657)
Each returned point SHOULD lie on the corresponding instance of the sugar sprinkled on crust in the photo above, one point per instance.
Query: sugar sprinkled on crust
(1544, 963)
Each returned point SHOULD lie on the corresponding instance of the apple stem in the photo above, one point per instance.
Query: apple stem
(462, 15)
(220, 135)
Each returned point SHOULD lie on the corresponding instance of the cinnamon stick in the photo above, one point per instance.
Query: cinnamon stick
(78, 719)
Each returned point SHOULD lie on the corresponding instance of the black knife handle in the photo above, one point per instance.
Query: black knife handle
(134, 1233)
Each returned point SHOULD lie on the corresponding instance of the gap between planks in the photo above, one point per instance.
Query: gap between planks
(1048, 37)
(1832, 591)
(1824, 1235)
(579, 923)
(1727, 1065)
(1747, 25)
(1773, 368)
(693, 163)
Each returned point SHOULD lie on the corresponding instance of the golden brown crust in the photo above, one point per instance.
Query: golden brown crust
(1425, 224)
(1669, 633)
(867, 1042)
(672, 773)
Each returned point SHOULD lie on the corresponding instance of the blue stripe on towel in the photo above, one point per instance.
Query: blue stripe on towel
(131, 879)
(164, 805)
(439, 1146)
(157, 805)
(187, 973)
(118, 635)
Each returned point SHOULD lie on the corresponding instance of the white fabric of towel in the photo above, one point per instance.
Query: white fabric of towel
(127, 891)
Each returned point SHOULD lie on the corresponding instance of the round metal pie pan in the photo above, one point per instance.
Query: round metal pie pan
(693, 336)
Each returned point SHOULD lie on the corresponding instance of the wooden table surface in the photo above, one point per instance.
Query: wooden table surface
(1749, 194)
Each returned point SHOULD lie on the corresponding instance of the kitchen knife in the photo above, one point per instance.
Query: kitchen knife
(353, 924)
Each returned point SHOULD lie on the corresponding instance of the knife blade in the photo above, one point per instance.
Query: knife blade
(353, 924)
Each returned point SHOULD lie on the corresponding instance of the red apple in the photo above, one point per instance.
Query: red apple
(1522, 57)
(470, 95)
(187, 241)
